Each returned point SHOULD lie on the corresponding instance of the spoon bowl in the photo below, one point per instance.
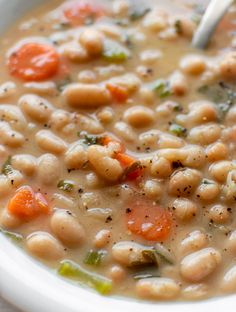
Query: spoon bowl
(213, 15)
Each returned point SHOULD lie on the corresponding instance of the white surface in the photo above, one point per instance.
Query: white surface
(34, 289)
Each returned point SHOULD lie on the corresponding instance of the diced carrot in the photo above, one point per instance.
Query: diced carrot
(149, 220)
(106, 140)
(34, 62)
(133, 170)
(119, 93)
(79, 11)
(227, 24)
(125, 160)
(27, 205)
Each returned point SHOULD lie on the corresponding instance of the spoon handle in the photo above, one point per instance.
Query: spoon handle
(210, 20)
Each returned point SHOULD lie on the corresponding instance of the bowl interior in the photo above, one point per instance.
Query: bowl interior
(31, 287)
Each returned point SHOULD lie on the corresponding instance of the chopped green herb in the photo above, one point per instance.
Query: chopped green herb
(178, 130)
(162, 88)
(122, 22)
(72, 270)
(61, 84)
(90, 139)
(178, 27)
(206, 181)
(61, 26)
(150, 256)
(94, 257)
(115, 52)
(7, 167)
(65, 185)
(15, 237)
(177, 108)
(224, 96)
(164, 253)
(137, 12)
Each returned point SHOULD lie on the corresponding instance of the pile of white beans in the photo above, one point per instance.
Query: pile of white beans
(190, 174)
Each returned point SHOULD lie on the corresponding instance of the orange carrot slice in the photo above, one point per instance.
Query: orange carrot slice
(149, 221)
(119, 93)
(133, 169)
(80, 11)
(26, 205)
(106, 140)
(34, 62)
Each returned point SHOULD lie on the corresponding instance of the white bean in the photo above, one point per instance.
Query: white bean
(129, 253)
(193, 65)
(59, 119)
(184, 209)
(88, 124)
(124, 131)
(194, 241)
(7, 89)
(36, 107)
(48, 169)
(42, 88)
(102, 238)
(228, 283)
(25, 163)
(76, 156)
(49, 142)
(198, 265)
(107, 167)
(184, 182)
(205, 134)
(13, 115)
(86, 95)
(139, 116)
(157, 288)
(5, 185)
(44, 246)
(66, 227)
(231, 242)
(92, 41)
(195, 291)
(9, 221)
(9, 137)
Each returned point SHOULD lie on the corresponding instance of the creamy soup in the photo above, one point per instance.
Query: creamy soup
(118, 146)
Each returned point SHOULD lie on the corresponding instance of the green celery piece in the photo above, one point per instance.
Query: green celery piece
(65, 185)
(94, 257)
(7, 167)
(138, 12)
(15, 237)
(162, 88)
(115, 52)
(144, 275)
(72, 270)
(178, 130)
(164, 254)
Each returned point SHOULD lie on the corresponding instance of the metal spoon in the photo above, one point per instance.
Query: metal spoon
(214, 13)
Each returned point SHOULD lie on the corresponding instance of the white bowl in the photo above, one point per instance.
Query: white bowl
(31, 287)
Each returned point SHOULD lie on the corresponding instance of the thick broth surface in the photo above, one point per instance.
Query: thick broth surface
(118, 146)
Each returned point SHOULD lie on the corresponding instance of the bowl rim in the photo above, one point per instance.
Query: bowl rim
(23, 284)
(22, 280)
